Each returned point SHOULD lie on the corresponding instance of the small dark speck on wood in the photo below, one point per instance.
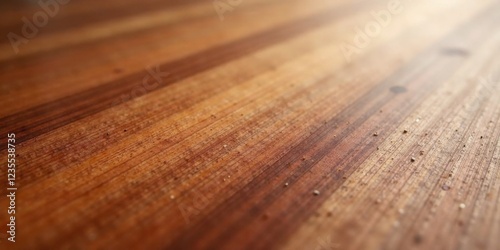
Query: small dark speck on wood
(398, 89)
(413, 159)
(455, 52)
(265, 216)
(375, 134)
(418, 239)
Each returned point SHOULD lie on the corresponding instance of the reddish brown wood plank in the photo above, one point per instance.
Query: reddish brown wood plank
(282, 125)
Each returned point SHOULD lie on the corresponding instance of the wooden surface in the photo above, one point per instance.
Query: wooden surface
(157, 125)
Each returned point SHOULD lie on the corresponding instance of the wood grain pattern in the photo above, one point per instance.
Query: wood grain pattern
(155, 125)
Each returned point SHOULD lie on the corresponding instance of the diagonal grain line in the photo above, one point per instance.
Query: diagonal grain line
(110, 14)
(61, 112)
(278, 166)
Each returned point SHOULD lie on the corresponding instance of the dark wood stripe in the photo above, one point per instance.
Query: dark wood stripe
(434, 73)
(101, 15)
(50, 116)
(60, 51)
